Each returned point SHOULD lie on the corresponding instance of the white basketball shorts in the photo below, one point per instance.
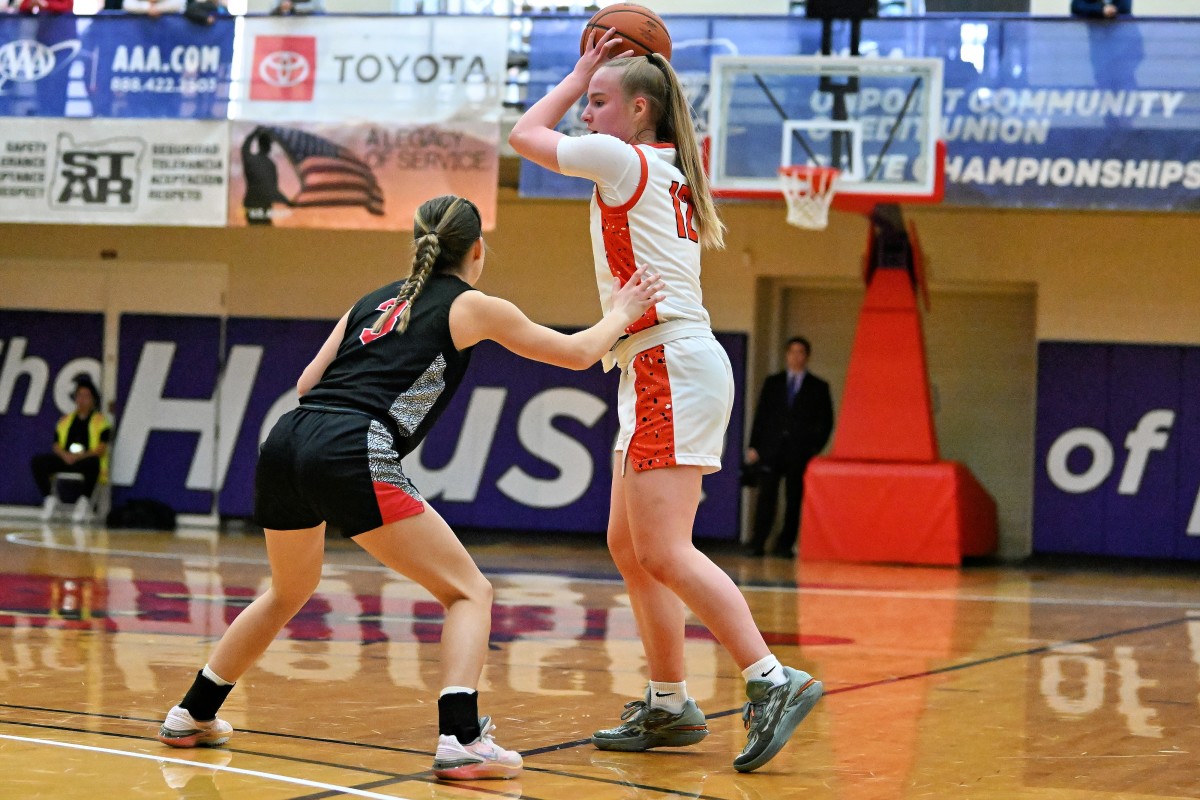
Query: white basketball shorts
(674, 404)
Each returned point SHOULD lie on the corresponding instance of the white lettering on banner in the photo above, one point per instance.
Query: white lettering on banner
(1102, 460)
(182, 59)
(1066, 102)
(1093, 173)
(30, 60)
(537, 434)
(459, 480)
(1150, 434)
(16, 365)
(36, 369)
(425, 68)
(146, 410)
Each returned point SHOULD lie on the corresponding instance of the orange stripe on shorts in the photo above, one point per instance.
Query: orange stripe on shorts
(653, 442)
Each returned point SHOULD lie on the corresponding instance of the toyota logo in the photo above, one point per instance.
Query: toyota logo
(284, 68)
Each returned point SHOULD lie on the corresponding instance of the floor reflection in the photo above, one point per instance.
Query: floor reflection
(984, 682)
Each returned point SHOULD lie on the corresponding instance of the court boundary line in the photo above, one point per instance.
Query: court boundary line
(17, 538)
(220, 767)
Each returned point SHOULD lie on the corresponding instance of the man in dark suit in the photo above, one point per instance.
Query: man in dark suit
(792, 423)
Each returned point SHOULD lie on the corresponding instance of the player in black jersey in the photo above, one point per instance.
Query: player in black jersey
(371, 394)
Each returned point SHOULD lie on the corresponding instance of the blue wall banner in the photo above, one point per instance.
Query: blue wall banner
(1118, 450)
(1037, 113)
(115, 66)
(522, 446)
(41, 352)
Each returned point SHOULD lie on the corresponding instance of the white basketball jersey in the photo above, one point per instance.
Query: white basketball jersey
(646, 220)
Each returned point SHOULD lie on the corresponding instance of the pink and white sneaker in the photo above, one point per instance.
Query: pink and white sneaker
(482, 759)
(180, 730)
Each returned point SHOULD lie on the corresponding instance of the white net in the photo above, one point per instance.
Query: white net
(809, 192)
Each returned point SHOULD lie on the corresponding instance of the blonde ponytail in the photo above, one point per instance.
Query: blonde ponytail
(653, 77)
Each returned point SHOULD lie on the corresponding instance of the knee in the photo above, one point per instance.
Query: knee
(659, 563)
(476, 590)
(293, 595)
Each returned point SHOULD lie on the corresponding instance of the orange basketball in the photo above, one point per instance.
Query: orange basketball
(640, 29)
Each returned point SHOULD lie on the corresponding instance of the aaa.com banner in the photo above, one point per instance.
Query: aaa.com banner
(420, 70)
(114, 66)
(368, 175)
(1118, 450)
(1036, 113)
(113, 172)
(521, 446)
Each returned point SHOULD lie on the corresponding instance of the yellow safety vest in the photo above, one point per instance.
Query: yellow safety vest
(97, 424)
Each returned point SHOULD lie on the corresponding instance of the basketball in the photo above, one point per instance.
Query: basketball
(640, 29)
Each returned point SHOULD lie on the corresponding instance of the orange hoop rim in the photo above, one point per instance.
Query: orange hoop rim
(803, 170)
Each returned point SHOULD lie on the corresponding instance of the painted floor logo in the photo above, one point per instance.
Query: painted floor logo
(97, 175)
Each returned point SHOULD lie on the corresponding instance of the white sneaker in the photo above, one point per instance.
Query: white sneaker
(49, 506)
(83, 510)
(482, 759)
(180, 730)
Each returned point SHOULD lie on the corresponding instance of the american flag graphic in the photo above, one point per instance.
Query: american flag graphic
(330, 175)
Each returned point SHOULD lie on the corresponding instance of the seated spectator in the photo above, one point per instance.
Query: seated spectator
(153, 8)
(284, 8)
(80, 445)
(205, 12)
(1101, 9)
(46, 7)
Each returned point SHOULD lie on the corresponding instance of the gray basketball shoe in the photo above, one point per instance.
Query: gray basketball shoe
(773, 714)
(647, 727)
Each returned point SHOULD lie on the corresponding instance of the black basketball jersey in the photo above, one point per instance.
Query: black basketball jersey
(404, 380)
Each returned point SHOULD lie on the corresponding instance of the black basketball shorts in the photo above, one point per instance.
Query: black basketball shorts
(337, 468)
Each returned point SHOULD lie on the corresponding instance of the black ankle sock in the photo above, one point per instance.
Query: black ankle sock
(458, 716)
(204, 698)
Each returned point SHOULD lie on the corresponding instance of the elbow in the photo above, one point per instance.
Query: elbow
(516, 139)
(581, 359)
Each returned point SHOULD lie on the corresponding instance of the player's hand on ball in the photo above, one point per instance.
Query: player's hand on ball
(600, 50)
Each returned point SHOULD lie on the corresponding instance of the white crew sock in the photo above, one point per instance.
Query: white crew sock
(214, 677)
(456, 690)
(670, 697)
(766, 668)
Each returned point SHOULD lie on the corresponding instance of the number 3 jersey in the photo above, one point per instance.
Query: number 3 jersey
(641, 216)
(403, 380)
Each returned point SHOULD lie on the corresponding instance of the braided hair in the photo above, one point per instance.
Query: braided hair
(444, 229)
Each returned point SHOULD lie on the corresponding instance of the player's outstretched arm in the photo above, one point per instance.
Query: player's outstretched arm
(475, 316)
(534, 136)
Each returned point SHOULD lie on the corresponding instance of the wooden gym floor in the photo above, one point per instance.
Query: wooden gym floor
(1051, 681)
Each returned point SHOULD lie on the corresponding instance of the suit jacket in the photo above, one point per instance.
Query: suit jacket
(788, 436)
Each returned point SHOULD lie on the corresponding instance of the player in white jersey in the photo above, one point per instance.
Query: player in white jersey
(652, 207)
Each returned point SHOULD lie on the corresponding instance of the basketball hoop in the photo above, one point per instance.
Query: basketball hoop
(809, 191)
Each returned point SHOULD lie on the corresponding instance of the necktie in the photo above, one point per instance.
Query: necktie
(793, 387)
